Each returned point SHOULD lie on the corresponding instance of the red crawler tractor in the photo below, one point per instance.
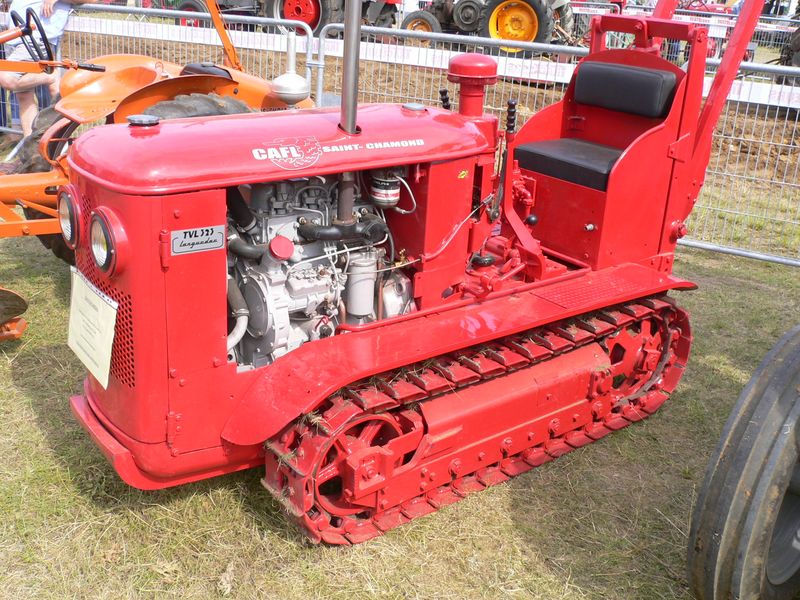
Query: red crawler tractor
(364, 309)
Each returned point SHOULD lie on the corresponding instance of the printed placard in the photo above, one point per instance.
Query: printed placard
(92, 318)
(200, 239)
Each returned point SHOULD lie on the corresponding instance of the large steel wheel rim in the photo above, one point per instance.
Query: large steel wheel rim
(314, 13)
(783, 561)
(307, 11)
(189, 21)
(514, 20)
(368, 432)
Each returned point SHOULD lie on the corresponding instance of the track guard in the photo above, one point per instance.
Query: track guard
(297, 383)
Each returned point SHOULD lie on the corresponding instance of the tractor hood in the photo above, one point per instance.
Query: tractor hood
(212, 152)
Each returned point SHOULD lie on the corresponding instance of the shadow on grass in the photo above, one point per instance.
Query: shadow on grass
(614, 516)
(89, 472)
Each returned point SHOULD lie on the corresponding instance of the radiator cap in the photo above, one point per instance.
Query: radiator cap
(143, 120)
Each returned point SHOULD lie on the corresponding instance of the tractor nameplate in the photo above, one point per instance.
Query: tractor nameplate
(200, 239)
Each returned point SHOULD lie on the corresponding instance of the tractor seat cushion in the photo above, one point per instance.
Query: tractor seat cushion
(632, 90)
(569, 159)
(205, 68)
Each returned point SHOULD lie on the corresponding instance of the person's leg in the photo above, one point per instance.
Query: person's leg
(24, 86)
(22, 82)
(28, 109)
(26, 82)
(54, 85)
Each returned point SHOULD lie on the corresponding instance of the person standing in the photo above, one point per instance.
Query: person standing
(53, 14)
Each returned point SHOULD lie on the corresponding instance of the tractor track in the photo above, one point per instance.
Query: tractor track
(291, 470)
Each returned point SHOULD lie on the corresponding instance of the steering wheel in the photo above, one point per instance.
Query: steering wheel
(43, 51)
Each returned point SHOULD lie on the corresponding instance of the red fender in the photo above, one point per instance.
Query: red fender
(298, 382)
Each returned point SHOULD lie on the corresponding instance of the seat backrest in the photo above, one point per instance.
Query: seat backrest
(627, 89)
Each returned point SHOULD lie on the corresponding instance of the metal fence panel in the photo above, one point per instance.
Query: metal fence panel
(750, 203)
(94, 30)
(751, 200)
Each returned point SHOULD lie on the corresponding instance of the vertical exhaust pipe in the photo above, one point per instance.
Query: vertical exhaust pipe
(352, 39)
(347, 122)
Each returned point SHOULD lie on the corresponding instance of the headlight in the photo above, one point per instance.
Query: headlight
(68, 217)
(101, 243)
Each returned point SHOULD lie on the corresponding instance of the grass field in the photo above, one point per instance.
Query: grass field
(607, 521)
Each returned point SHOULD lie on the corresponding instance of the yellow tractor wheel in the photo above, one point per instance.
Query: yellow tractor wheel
(519, 21)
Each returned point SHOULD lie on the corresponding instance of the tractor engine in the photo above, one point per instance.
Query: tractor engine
(294, 276)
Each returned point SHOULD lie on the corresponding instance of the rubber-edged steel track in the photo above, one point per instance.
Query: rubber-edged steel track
(371, 414)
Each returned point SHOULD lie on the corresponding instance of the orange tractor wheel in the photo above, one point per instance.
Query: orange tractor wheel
(421, 20)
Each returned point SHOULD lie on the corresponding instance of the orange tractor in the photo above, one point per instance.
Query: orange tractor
(108, 90)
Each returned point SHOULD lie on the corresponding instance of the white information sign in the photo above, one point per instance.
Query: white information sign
(92, 317)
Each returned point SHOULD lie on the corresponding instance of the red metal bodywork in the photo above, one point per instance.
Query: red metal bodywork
(225, 410)
(176, 410)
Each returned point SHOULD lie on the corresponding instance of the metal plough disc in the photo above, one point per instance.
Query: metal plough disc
(745, 537)
(11, 305)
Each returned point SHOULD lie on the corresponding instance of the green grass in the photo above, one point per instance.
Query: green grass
(608, 521)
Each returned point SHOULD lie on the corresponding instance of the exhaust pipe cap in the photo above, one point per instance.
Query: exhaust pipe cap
(472, 69)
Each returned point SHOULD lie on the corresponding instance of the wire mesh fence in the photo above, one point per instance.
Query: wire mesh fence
(181, 37)
(751, 200)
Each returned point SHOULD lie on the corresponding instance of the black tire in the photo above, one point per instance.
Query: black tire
(790, 56)
(387, 17)
(190, 105)
(564, 17)
(31, 161)
(421, 20)
(197, 105)
(544, 30)
(744, 539)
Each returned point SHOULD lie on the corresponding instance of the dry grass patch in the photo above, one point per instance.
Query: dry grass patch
(608, 521)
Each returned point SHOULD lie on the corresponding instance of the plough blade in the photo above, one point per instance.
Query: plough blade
(12, 305)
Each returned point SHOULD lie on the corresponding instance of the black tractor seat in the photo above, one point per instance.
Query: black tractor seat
(205, 68)
(573, 160)
(619, 89)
